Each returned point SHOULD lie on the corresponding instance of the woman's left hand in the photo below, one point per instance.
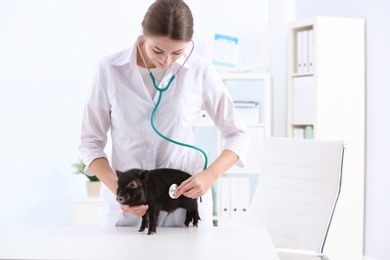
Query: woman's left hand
(197, 185)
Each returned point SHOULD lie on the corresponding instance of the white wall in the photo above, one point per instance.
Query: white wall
(377, 208)
(48, 52)
(282, 12)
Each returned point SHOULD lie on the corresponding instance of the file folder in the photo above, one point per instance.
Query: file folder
(299, 52)
(225, 197)
(235, 196)
(311, 51)
(244, 195)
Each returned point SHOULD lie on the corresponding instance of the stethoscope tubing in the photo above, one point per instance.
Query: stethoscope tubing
(160, 94)
(152, 117)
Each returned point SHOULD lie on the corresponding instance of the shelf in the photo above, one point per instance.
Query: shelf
(295, 75)
(301, 124)
(327, 102)
(250, 87)
(260, 91)
(246, 76)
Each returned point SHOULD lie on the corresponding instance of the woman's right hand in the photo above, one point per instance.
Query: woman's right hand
(135, 210)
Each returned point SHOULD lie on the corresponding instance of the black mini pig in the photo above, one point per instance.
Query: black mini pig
(151, 187)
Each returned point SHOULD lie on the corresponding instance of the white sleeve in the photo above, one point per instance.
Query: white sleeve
(219, 105)
(96, 120)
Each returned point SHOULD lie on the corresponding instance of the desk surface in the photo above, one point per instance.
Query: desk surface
(126, 243)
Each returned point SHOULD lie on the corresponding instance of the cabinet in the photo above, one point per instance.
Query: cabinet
(88, 211)
(326, 100)
(233, 191)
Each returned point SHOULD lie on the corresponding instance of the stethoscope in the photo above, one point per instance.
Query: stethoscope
(172, 189)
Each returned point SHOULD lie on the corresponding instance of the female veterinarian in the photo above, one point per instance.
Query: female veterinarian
(123, 95)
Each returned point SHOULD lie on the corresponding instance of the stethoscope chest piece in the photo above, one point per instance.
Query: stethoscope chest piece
(172, 191)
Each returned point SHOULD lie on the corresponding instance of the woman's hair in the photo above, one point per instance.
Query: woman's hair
(169, 18)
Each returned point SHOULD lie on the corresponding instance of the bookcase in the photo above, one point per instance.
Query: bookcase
(232, 193)
(326, 100)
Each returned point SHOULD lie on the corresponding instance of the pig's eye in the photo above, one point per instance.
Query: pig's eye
(133, 185)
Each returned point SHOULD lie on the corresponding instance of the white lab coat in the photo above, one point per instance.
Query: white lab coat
(119, 101)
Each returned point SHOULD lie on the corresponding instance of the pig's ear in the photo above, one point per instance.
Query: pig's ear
(144, 175)
(118, 173)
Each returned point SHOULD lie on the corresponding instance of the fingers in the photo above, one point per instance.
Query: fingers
(193, 194)
(136, 210)
(141, 210)
(183, 187)
(189, 188)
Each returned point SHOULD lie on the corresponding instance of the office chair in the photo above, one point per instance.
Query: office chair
(299, 185)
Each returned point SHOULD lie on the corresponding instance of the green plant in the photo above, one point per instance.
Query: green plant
(80, 166)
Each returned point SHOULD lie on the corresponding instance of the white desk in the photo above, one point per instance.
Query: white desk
(126, 243)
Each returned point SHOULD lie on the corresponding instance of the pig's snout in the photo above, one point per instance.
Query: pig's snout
(120, 199)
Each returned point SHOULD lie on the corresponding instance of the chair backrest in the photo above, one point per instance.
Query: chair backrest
(298, 188)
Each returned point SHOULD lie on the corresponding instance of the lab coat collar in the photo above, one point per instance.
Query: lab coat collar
(129, 56)
(126, 57)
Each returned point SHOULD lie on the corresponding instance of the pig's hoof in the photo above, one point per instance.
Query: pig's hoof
(151, 232)
(141, 229)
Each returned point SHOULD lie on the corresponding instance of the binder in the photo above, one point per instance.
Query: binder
(225, 197)
(309, 132)
(298, 132)
(235, 196)
(310, 51)
(239, 196)
(305, 52)
(299, 52)
(244, 195)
